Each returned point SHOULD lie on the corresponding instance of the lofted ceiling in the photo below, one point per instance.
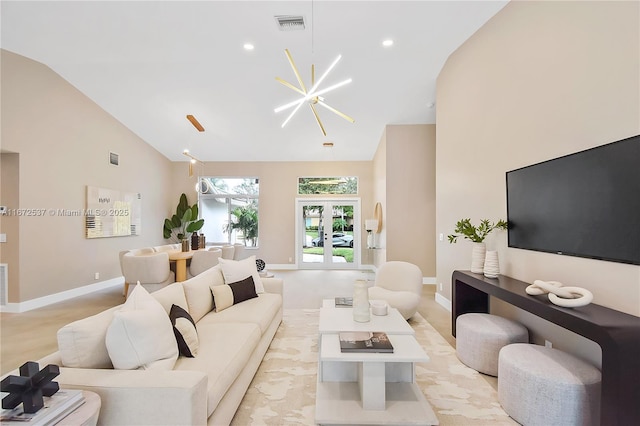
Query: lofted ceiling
(151, 63)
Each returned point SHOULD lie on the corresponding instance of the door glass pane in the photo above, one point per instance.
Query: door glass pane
(313, 244)
(342, 227)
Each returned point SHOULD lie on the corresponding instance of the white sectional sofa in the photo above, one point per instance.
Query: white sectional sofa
(206, 389)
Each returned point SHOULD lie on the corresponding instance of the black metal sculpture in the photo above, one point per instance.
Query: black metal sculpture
(30, 386)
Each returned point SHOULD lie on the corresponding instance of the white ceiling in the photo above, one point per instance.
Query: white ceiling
(150, 63)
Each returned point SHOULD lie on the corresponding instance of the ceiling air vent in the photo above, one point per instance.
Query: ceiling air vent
(290, 23)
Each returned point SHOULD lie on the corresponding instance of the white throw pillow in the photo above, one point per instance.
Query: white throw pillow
(141, 335)
(237, 270)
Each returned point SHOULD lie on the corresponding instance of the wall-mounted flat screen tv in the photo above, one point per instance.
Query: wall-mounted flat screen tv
(585, 204)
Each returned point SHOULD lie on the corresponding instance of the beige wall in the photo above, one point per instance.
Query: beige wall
(63, 140)
(379, 255)
(278, 191)
(539, 80)
(410, 195)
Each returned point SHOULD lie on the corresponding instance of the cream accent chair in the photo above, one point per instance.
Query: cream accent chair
(238, 251)
(203, 260)
(136, 252)
(150, 269)
(228, 251)
(400, 284)
(167, 247)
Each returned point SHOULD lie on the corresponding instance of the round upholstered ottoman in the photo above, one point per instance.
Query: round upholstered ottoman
(479, 338)
(544, 386)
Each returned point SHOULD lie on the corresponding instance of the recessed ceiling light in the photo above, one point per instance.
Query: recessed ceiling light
(248, 46)
(387, 43)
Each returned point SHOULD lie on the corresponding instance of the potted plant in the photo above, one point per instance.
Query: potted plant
(183, 223)
(476, 234)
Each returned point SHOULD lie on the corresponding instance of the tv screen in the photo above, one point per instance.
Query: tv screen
(585, 204)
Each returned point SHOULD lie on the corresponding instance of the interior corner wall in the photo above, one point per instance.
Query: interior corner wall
(379, 255)
(63, 139)
(538, 81)
(9, 196)
(410, 200)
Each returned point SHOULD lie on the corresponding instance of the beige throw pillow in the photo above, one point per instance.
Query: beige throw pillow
(141, 335)
(237, 270)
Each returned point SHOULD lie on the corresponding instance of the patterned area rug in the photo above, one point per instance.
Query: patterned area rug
(283, 390)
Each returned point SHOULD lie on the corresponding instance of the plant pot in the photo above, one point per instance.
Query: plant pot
(477, 257)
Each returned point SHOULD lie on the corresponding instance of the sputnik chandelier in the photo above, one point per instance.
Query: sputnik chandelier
(312, 96)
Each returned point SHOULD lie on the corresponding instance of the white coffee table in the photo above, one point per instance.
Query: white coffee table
(369, 388)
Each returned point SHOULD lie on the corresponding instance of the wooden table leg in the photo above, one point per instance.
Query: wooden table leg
(181, 270)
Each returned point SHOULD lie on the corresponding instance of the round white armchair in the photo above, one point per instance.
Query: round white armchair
(400, 284)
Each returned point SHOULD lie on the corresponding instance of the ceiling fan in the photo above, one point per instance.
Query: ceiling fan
(312, 96)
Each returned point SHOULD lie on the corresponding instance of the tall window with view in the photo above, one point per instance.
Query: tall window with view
(229, 207)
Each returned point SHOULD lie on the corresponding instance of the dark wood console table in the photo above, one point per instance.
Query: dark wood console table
(617, 333)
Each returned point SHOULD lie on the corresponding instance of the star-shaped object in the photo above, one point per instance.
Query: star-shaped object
(312, 96)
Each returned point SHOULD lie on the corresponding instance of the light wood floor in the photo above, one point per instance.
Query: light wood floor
(31, 335)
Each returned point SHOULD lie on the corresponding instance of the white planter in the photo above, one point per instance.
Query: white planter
(477, 258)
(491, 266)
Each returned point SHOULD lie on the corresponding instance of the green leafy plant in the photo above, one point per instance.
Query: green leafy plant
(465, 229)
(184, 222)
(245, 221)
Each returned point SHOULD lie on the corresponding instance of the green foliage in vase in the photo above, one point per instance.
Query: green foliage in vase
(465, 229)
(184, 222)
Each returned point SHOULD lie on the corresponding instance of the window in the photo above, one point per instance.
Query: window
(229, 207)
(345, 185)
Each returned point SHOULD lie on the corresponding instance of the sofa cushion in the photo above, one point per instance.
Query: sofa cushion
(82, 343)
(225, 350)
(228, 295)
(197, 291)
(172, 294)
(260, 311)
(185, 331)
(141, 335)
(237, 270)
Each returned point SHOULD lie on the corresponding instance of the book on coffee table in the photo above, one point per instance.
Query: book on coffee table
(56, 407)
(344, 302)
(365, 341)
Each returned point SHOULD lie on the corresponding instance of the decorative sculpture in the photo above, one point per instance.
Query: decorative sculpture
(567, 297)
(30, 386)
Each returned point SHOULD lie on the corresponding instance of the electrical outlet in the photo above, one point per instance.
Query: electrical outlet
(96, 276)
(291, 260)
(440, 287)
(548, 344)
(441, 237)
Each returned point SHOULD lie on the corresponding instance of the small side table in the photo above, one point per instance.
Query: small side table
(86, 414)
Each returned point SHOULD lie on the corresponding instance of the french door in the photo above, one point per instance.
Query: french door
(327, 233)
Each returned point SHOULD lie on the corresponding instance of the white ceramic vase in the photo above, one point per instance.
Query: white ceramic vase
(477, 258)
(361, 312)
(491, 266)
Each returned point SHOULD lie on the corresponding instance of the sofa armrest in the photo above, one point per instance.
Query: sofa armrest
(272, 285)
(134, 396)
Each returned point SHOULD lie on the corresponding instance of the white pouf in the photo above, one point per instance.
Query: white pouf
(479, 338)
(544, 386)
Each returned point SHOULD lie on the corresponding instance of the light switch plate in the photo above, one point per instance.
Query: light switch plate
(3, 238)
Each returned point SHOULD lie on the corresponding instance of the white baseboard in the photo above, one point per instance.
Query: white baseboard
(443, 301)
(429, 280)
(60, 297)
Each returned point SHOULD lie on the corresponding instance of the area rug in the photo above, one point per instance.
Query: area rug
(283, 390)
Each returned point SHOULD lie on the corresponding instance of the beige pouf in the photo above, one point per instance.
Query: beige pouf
(544, 386)
(479, 338)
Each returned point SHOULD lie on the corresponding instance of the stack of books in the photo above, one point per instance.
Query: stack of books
(56, 407)
(364, 341)
(344, 302)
